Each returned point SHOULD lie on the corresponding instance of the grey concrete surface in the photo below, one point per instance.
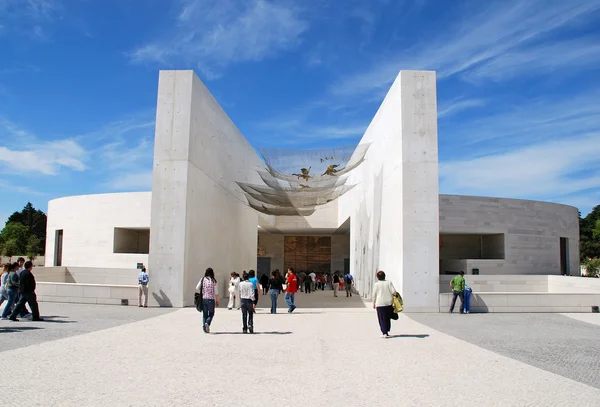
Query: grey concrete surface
(168, 361)
(63, 320)
(552, 342)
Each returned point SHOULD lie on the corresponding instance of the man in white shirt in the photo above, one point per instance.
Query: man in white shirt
(247, 302)
(313, 280)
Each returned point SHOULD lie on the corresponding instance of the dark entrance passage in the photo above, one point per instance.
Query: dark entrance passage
(263, 266)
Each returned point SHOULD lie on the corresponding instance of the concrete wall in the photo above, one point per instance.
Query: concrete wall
(340, 250)
(87, 275)
(199, 217)
(532, 231)
(564, 284)
(274, 247)
(500, 283)
(88, 223)
(86, 293)
(394, 210)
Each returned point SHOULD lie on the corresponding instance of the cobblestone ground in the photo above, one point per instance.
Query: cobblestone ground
(552, 342)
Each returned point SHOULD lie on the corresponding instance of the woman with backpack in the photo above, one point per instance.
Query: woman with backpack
(209, 295)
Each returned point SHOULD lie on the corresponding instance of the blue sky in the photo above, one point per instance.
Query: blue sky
(518, 86)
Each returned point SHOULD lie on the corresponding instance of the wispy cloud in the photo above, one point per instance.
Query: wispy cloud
(29, 16)
(545, 171)
(44, 157)
(141, 181)
(483, 40)
(213, 34)
(299, 131)
(452, 107)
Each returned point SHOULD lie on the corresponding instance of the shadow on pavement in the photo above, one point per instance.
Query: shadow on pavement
(53, 319)
(255, 333)
(12, 329)
(420, 336)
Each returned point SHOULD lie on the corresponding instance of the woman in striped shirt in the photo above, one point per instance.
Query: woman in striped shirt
(209, 290)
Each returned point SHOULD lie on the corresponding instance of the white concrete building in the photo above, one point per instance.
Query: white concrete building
(201, 214)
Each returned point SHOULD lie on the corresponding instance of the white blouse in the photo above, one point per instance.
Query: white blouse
(383, 292)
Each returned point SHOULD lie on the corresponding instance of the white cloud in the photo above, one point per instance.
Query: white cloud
(132, 182)
(45, 157)
(455, 106)
(481, 40)
(298, 131)
(552, 170)
(216, 33)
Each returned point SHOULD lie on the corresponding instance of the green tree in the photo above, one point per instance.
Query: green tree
(596, 231)
(34, 219)
(589, 245)
(33, 248)
(10, 248)
(15, 236)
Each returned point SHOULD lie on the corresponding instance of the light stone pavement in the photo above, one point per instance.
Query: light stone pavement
(313, 357)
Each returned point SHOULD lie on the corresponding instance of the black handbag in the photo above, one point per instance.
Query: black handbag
(198, 298)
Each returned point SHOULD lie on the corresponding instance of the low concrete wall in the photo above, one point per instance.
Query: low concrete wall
(525, 302)
(86, 285)
(86, 293)
(572, 284)
(86, 275)
(500, 283)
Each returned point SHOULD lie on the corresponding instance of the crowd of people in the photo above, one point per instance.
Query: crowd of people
(17, 288)
(245, 289)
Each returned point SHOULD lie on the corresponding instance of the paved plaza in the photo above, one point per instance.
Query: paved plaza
(327, 353)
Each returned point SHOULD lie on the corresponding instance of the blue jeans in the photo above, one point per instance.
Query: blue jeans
(274, 294)
(289, 298)
(12, 294)
(208, 311)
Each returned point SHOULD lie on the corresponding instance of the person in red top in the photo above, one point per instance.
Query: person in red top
(291, 290)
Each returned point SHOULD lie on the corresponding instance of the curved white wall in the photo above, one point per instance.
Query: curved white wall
(532, 232)
(88, 223)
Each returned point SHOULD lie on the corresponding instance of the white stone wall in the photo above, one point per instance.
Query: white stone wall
(394, 210)
(532, 231)
(199, 216)
(88, 223)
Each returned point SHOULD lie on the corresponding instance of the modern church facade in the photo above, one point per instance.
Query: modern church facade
(216, 203)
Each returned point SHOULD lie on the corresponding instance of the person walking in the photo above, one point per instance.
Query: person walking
(313, 280)
(291, 290)
(275, 288)
(143, 280)
(336, 283)
(255, 283)
(11, 283)
(27, 290)
(348, 281)
(247, 304)
(383, 298)
(3, 278)
(209, 291)
(307, 284)
(264, 284)
(457, 284)
(234, 291)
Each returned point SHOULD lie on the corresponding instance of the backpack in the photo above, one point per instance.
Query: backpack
(198, 297)
(347, 279)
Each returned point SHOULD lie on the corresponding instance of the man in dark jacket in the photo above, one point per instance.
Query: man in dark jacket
(27, 288)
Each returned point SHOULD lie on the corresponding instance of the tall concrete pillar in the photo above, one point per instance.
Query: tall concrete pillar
(394, 210)
(199, 218)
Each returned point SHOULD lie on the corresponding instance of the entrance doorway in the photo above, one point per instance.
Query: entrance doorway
(564, 256)
(263, 266)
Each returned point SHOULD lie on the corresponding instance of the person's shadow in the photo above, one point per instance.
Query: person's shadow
(420, 336)
(162, 299)
(255, 333)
